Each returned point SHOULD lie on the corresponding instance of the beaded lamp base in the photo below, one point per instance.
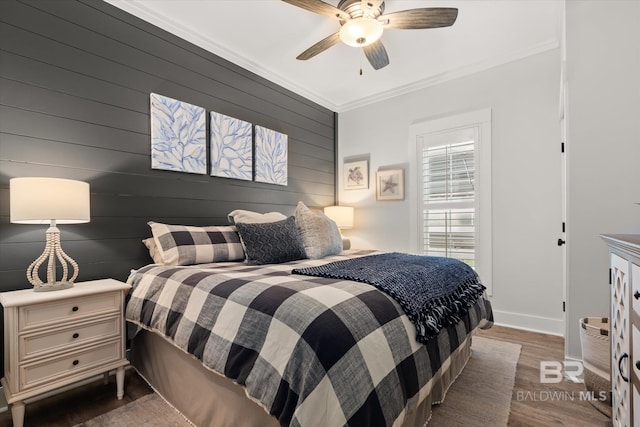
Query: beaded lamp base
(53, 254)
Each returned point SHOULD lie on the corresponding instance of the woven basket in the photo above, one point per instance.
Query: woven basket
(596, 349)
(596, 358)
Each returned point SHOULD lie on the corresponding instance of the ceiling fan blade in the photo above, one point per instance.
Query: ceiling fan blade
(320, 7)
(377, 55)
(431, 17)
(319, 47)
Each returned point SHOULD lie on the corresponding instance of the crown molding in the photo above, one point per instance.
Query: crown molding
(451, 75)
(147, 14)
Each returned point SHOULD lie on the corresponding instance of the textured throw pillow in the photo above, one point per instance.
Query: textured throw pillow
(271, 243)
(188, 245)
(254, 217)
(320, 235)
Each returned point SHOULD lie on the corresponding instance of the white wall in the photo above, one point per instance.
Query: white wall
(523, 96)
(603, 146)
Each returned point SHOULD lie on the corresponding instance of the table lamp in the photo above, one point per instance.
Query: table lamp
(50, 201)
(343, 217)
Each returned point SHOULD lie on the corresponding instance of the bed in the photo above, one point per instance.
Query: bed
(232, 344)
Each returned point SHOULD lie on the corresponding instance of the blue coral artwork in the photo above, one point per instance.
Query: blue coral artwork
(178, 135)
(271, 156)
(231, 147)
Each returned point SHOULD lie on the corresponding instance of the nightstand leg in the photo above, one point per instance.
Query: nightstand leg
(120, 382)
(105, 378)
(17, 414)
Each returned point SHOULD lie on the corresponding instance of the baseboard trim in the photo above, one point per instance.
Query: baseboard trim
(545, 325)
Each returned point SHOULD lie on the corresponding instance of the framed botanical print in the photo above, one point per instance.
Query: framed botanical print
(271, 158)
(231, 145)
(178, 135)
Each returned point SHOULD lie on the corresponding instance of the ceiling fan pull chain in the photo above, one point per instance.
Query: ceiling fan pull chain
(360, 61)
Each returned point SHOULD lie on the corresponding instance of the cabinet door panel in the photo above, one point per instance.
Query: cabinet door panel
(620, 340)
(634, 290)
(635, 287)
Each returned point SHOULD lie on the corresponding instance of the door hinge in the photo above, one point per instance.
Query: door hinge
(609, 276)
(563, 227)
(564, 306)
(562, 147)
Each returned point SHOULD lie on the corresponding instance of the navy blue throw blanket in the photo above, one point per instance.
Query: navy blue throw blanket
(434, 292)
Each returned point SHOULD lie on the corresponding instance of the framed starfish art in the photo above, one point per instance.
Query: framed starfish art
(390, 184)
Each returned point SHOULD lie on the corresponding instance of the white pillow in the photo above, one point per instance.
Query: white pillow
(250, 217)
(320, 235)
(153, 250)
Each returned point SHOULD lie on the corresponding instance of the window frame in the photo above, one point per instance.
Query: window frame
(435, 129)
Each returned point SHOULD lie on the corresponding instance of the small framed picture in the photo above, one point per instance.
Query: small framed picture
(390, 184)
(356, 175)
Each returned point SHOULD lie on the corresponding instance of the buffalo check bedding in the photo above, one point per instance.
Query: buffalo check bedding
(311, 351)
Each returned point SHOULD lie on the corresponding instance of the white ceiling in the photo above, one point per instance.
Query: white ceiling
(265, 36)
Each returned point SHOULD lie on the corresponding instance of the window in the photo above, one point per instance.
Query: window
(453, 210)
(448, 201)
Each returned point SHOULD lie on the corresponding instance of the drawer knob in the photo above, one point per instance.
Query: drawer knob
(75, 362)
(636, 295)
(76, 335)
(638, 364)
(75, 308)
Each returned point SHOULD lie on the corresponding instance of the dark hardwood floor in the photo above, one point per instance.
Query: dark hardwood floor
(531, 405)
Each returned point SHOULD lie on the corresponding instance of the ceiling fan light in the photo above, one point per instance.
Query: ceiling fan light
(361, 32)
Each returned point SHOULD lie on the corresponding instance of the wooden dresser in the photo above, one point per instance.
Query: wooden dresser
(624, 258)
(53, 339)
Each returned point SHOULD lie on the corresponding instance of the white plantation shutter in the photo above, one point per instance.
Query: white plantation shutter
(452, 209)
(448, 193)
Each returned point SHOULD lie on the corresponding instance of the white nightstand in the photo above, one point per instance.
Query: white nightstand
(52, 339)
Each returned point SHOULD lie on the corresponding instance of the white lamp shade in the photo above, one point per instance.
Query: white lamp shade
(40, 200)
(341, 215)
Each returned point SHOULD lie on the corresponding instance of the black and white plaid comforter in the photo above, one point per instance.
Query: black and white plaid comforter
(312, 351)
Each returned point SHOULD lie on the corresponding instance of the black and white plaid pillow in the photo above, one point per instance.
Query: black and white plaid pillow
(188, 245)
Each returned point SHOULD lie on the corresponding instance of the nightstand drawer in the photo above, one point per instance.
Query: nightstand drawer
(46, 314)
(49, 370)
(43, 342)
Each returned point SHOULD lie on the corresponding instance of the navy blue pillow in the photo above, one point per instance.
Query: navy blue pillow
(272, 242)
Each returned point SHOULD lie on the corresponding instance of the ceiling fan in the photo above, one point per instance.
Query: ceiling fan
(363, 22)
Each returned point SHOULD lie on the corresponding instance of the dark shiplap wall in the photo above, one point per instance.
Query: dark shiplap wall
(75, 79)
